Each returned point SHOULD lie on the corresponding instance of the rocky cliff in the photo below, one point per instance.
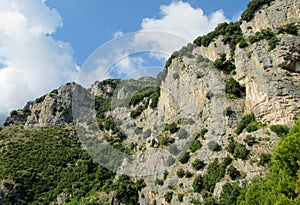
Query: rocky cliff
(215, 102)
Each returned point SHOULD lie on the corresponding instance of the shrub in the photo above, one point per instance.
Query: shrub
(240, 151)
(182, 134)
(233, 172)
(180, 173)
(280, 130)
(213, 146)
(196, 146)
(229, 194)
(225, 65)
(290, 28)
(202, 133)
(173, 149)
(168, 196)
(228, 111)
(159, 182)
(264, 159)
(252, 127)
(184, 158)
(273, 42)
(198, 184)
(170, 161)
(232, 87)
(245, 121)
(252, 7)
(176, 76)
(198, 164)
(171, 127)
(180, 197)
(249, 140)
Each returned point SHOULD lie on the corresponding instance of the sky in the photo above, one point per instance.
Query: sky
(46, 43)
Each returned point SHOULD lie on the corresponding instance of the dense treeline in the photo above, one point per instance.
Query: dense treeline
(40, 164)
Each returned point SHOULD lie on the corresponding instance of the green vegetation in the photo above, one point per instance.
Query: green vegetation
(196, 146)
(245, 121)
(281, 185)
(180, 173)
(184, 157)
(148, 95)
(176, 76)
(229, 194)
(39, 164)
(233, 172)
(215, 172)
(198, 164)
(180, 197)
(290, 28)
(202, 133)
(280, 130)
(265, 34)
(168, 196)
(250, 140)
(233, 89)
(223, 64)
(264, 159)
(231, 32)
(238, 150)
(253, 6)
(228, 111)
(172, 128)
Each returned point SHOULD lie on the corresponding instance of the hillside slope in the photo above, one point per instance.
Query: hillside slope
(199, 133)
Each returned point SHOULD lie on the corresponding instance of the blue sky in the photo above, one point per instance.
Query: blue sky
(46, 43)
(90, 23)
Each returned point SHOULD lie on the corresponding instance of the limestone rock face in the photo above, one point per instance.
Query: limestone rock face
(54, 108)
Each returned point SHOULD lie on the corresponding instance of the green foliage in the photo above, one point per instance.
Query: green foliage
(176, 76)
(265, 34)
(252, 127)
(290, 28)
(196, 146)
(280, 130)
(180, 197)
(148, 95)
(228, 111)
(252, 7)
(183, 134)
(172, 128)
(202, 133)
(214, 146)
(180, 173)
(231, 32)
(273, 42)
(198, 164)
(126, 190)
(198, 184)
(233, 172)
(238, 150)
(184, 157)
(168, 197)
(44, 162)
(215, 172)
(245, 121)
(234, 89)
(159, 182)
(281, 185)
(250, 140)
(229, 194)
(170, 161)
(223, 64)
(264, 159)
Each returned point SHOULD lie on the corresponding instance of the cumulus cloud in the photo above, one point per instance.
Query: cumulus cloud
(180, 18)
(32, 61)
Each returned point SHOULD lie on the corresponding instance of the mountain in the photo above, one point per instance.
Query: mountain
(215, 127)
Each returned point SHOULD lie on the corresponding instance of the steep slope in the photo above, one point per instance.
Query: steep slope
(208, 124)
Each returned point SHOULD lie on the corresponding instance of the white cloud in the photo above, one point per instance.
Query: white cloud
(33, 62)
(179, 24)
(180, 18)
